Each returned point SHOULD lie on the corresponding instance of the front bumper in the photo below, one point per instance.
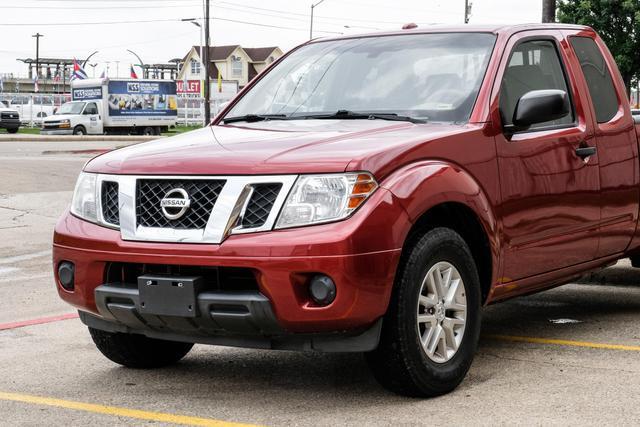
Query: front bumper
(9, 123)
(56, 131)
(360, 254)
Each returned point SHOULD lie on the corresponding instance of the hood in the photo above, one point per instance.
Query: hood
(58, 117)
(8, 110)
(274, 147)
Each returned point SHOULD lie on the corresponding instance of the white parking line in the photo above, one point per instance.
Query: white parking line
(25, 257)
(5, 270)
(27, 278)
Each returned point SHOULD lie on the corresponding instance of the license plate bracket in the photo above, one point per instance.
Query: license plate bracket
(169, 295)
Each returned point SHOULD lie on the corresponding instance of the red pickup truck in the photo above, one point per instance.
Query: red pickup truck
(367, 194)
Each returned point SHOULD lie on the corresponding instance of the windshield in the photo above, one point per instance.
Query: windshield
(433, 77)
(70, 108)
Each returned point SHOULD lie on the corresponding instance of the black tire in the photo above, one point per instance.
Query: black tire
(138, 351)
(148, 131)
(79, 130)
(635, 261)
(399, 363)
(12, 130)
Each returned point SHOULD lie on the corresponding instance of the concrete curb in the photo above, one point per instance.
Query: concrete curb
(76, 138)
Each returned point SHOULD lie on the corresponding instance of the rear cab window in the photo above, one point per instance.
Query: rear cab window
(598, 77)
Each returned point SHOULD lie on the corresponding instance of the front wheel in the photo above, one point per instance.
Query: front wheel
(12, 130)
(148, 131)
(138, 351)
(79, 130)
(431, 330)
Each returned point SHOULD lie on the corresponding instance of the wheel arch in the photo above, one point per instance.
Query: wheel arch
(83, 127)
(439, 194)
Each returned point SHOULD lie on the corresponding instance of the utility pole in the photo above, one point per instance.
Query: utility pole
(313, 6)
(37, 37)
(467, 11)
(548, 11)
(207, 85)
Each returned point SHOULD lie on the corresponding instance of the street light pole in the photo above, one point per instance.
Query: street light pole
(313, 6)
(37, 37)
(141, 63)
(467, 11)
(548, 10)
(200, 55)
(207, 86)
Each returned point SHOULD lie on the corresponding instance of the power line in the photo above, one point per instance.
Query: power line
(306, 15)
(78, 24)
(166, 6)
(305, 20)
(272, 26)
(298, 16)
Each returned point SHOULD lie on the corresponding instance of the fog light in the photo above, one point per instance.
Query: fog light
(322, 289)
(66, 274)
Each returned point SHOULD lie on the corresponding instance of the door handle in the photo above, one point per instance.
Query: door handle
(585, 151)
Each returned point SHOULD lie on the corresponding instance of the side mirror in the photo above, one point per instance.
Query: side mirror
(539, 106)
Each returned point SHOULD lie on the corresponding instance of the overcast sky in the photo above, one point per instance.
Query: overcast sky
(152, 28)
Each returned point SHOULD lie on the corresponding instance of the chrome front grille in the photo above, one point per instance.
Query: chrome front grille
(9, 116)
(218, 206)
(202, 193)
(109, 199)
(260, 204)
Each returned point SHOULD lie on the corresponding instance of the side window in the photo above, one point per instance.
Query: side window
(533, 65)
(596, 73)
(91, 108)
(236, 66)
(195, 67)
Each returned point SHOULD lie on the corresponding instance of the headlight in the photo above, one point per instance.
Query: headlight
(66, 123)
(318, 199)
(84, 203)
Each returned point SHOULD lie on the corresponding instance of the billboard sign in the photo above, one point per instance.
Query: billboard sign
(189, 88)
(87, 93)
(142, 98)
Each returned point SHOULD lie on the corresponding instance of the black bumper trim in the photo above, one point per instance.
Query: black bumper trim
(238, 319)
(237, 312)
(9, 123)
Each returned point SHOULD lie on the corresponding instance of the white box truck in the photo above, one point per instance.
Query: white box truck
(120, 107)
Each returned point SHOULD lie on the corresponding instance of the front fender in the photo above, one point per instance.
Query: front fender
(424, 185)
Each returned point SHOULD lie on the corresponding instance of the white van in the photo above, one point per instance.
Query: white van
(124, 106)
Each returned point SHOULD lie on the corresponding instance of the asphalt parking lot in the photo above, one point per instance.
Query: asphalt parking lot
(570, 355)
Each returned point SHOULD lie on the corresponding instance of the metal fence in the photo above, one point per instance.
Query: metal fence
(191, 110)
(33, 107)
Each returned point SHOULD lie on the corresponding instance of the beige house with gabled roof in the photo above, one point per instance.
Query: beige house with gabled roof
(232, 62)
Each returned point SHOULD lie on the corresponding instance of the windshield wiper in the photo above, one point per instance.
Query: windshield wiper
(250, 118)
(352, 115)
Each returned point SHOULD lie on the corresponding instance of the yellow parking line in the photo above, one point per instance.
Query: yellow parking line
(532, 340)
(119, 412)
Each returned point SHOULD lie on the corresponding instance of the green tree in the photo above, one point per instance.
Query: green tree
(617, 22)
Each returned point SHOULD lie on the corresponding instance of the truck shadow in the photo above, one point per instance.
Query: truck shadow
(293, 381)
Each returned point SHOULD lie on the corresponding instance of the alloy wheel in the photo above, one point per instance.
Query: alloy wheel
(442, 312)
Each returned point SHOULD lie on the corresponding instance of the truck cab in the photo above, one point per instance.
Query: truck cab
(75, 118)
(365, 193)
